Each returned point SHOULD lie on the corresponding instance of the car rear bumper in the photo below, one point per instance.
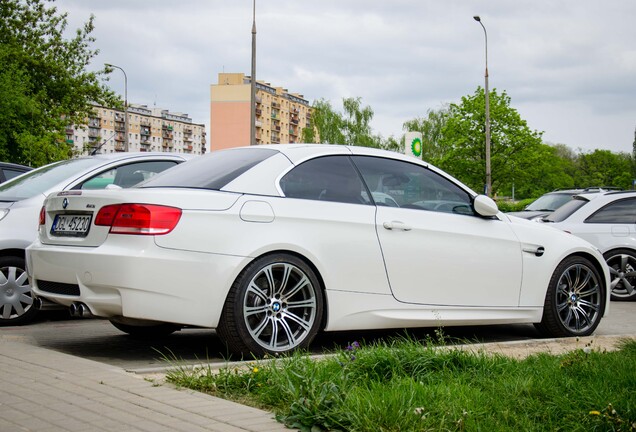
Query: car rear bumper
(134, 278)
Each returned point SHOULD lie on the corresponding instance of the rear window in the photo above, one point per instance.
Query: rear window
(212, 171)
(566, 210)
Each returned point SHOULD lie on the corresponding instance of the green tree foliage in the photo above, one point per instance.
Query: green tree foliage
(515, 149)
(604, 168)
(351, 127)
(44, 85)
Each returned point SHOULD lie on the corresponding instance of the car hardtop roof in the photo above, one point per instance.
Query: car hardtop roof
(293, 150)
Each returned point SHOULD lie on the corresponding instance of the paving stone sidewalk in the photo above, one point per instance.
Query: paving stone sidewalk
(48, 391)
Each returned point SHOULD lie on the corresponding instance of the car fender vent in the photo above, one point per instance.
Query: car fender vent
(58, 288)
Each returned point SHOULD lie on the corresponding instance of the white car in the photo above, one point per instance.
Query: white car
(608, 221)
(21, 200)
(271, 244)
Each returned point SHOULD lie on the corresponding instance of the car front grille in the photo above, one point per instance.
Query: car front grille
(58, 288)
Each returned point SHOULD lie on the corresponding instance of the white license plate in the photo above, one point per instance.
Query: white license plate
(71, 225)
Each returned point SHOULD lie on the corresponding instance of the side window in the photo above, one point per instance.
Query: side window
(401, 184)
(126, 176)
(329, 178)
(619, 212)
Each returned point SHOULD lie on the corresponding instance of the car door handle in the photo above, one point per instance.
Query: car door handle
(396, 225)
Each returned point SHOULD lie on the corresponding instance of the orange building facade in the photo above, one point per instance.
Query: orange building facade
(280, 115)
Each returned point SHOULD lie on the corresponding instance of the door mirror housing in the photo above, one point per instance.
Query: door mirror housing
(485, 206)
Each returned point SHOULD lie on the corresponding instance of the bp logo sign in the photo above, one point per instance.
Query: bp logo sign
(416, 147)
(413, 144)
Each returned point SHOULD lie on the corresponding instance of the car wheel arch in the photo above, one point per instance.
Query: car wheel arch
(19, 253)
(308, 262)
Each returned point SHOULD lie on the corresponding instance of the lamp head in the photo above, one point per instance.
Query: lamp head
(476, 18)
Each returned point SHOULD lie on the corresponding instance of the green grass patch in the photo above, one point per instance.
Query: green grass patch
(406, 385)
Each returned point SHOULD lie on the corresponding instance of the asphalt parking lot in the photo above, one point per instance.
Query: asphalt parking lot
(98, 340)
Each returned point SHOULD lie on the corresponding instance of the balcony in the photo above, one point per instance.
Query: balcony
(69, 131)
(144, 131)
(120, 128)
(293, 132)
(94, 123)
(119, 147)
(294, 120)
(258, 124)
(145, 143)
(120, 117)
(119, 138)
(144, 122)
(167, 135)
(166, 127)
(259, 112)
(92, 133)
(275, 105)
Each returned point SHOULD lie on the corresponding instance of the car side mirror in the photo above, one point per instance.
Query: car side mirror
(485, 206)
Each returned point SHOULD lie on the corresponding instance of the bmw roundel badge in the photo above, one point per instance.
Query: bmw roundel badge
(65, 203)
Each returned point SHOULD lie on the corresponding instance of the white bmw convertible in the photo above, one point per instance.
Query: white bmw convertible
(270, 245)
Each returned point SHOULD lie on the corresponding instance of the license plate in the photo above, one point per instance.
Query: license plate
(71, 225)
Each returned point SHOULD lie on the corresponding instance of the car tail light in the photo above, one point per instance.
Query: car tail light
(42, 215)
(140, 219)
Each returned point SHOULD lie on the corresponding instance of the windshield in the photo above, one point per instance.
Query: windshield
(212, 171)
(566, 210)
(44, 178)
(549, 202)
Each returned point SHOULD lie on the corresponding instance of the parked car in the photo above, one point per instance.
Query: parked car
(549, 202)
(608, 221)
(10, 170)
(21, 200)
(271, 244)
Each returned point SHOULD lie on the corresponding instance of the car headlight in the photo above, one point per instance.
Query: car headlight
(3, 213)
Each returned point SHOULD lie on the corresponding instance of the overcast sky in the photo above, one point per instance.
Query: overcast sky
(569, 66)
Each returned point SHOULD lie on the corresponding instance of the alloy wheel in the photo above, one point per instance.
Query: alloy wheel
(578, 298)
(280, 307)
(622, 267)
(15, 293)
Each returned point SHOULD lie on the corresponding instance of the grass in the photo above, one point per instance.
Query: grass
(404, 385)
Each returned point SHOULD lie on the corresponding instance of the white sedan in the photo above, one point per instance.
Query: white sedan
(271, 244)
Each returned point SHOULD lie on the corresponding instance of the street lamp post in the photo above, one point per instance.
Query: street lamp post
(488, 187)
(125, 104)
(253, 80)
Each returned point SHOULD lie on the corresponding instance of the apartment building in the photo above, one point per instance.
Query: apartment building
(280, 115)
(149, 129)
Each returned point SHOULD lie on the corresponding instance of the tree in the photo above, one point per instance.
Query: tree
(515, 149)
(604, 168)
(327, 124)
(44, 85)
(352, 127)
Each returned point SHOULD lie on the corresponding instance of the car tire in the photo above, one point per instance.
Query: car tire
(17, 303)
(274, 307)
(146, 331)
(575, 300)
(622, 267)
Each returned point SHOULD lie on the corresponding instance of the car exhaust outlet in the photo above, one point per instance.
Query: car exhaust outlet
(80, 310)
